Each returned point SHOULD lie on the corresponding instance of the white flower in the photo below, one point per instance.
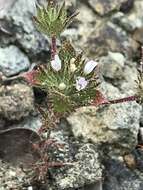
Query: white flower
(89, 66)
(62, 86)
(56, 63)
(81, 83)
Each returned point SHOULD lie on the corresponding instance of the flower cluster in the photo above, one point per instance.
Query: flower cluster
(81, 82)
(70, 80)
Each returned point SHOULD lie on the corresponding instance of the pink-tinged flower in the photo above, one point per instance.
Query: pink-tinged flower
(56, 63)
(81, 83)
(31, 76)
(90, 66)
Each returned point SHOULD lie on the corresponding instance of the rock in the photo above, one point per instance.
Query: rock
(23, 30)
(9, 181)
(133, 20)
(16, 101)
(140, 134)
(21, 153)
(13, 61)
(127, 6)
(5, 5)
(2, 124)
(31, 122)
(117, 57)
(130, 76)
(138, 154)
(86, 24)
(86, 170)
(119, 177)
(109, 37)
(120, 72)
(112, 65)
(68, 3)
(138, 35)
(115, 125)
(104, 7)
(134, 160)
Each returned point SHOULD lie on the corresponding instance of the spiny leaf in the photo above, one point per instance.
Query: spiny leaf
(53, 19)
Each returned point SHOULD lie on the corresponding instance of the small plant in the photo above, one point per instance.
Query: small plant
(70, 80)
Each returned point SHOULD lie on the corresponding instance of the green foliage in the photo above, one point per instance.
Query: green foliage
(61, 85)
(53, 19)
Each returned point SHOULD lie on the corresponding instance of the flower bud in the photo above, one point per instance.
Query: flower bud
(56, 63)
(73, 67)
(62, 86)
(89, 67)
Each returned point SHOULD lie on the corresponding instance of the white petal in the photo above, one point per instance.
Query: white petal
(89, 66)
(56, 63)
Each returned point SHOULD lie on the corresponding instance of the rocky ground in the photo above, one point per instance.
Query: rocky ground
(101, 143)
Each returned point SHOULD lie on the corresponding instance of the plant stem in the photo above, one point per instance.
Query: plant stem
(53, 47)
(121, 100)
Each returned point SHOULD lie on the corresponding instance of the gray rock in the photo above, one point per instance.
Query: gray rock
(127, 6)
(16, 101)
(86, 170)
(103, 7)
(13, 61)
(31, 122)
(86, 24)
(109, 37)
(119, 177)
(112, 65)
(5, 5)
(138, 35)
(130, 75)
(2, 124)
(119, 71)
(116, 125)
(133, 20)
(22, 28)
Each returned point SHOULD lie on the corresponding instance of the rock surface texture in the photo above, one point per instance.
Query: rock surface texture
(104, 7)
(13, 61)
(16, 101)
(99, 144)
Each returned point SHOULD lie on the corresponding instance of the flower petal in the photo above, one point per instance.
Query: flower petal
(56, 63)
(89, 66)
(81, 83)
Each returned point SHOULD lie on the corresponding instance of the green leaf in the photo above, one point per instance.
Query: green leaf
(52, 20)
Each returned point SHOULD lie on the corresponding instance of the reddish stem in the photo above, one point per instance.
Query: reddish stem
(53, 47)
(121, 100)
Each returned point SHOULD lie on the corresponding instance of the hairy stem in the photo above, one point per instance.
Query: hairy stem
(122, 100)
(53, 47)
